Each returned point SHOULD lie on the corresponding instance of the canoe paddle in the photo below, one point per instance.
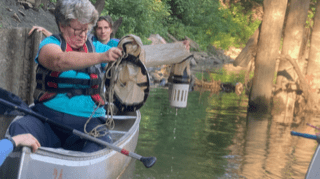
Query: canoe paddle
(10, 104)
(305, 135)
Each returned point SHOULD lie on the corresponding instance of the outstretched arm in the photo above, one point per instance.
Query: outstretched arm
(52, 57)
(40, 29)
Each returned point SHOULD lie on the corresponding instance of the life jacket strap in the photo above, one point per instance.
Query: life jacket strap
(87, 82)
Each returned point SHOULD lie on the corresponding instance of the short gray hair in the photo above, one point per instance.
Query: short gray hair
(82, 10)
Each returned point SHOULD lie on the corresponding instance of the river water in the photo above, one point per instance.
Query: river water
(214, 137)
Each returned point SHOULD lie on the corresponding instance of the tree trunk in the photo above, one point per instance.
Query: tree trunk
(115, 27)
(99, 5)
(313, 75)
(287, 78)
(304, 49)
(267, 53)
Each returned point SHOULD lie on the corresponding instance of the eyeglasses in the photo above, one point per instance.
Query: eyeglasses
(78, 32)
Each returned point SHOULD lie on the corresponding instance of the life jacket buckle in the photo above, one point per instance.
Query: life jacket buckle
(75, 92)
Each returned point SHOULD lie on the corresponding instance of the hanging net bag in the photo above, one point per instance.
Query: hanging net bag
(127, 80)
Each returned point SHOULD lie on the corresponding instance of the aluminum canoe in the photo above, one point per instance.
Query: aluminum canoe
(314, 166)
(65, 164)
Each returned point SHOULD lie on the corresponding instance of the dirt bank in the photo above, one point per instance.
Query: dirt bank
(14, 14)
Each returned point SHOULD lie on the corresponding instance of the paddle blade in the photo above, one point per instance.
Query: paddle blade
(10, 97)
(148, 161)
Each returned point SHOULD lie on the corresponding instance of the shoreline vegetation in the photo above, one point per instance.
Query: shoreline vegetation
(222, 24)
(217, 35)
(219, 32)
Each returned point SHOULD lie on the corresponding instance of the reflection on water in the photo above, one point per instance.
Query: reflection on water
(215, 138)
(270, 151)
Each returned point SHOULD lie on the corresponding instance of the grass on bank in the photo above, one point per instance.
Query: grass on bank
(223, 76)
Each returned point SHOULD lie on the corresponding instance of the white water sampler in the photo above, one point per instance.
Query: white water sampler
(180, 79)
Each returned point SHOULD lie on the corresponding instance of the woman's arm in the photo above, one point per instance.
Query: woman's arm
(52, 57)
(40, 29)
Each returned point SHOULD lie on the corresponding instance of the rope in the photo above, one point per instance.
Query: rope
(113, 69)
(95, 132)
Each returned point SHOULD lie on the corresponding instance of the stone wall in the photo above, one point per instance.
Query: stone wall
(17, 66)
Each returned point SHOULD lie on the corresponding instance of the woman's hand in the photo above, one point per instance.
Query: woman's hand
(113, 54)
(40, 29)
(26, 140)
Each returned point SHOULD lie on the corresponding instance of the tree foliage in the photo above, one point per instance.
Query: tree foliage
(205, 21)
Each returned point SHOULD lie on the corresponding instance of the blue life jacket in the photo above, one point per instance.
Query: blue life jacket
(48, 80)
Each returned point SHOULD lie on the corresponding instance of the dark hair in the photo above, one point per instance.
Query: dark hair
(106, 18)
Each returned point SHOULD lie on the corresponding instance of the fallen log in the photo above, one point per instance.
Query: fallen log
(172, 38)
(304, 86)
(248, 53)
(115, 27)
(212, 86)
(156, 39)
(193, 44)
(164, 54)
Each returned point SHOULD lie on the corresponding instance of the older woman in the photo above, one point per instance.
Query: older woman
(69, 80)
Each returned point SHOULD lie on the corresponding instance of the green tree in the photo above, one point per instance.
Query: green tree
(206, 22)
(140, 17)
(209, 23)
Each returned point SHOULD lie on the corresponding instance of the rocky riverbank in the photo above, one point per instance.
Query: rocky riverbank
(209, 61)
